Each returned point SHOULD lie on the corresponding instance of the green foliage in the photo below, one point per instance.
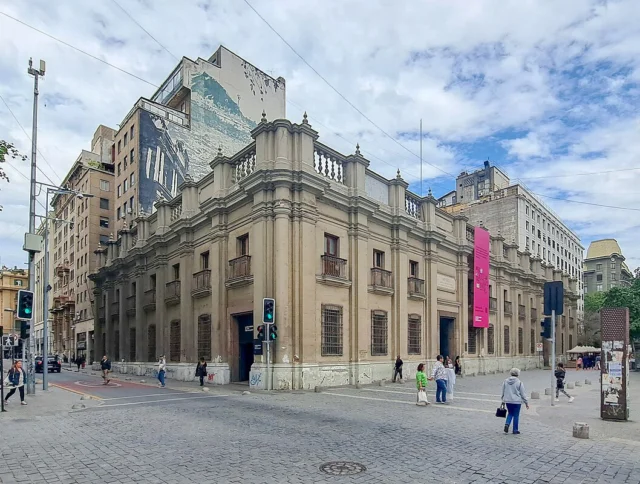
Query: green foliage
(8, 149)
(594, 301)
(618, 297)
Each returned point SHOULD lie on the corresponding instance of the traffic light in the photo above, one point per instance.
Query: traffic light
(261, 332)
(273, 332)
(25, 329)
(25, 305)
(268, 310)
(546, 328)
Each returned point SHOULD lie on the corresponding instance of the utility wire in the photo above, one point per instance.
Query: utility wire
(338, 92)
(80, 50)
(327, 82)
(145, 30)
(29, 138)
(577, 174)
(26, 178)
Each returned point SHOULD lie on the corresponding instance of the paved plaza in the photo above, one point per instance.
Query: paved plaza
(138, 433)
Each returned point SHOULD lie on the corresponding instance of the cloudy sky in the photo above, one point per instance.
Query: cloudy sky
(546, 90)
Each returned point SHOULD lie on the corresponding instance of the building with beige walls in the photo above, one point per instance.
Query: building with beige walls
(361, 270)
(605, 267)
(81, 225)
(11, 281)
(38, 294)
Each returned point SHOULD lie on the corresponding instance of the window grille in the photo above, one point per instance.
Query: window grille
(132, 344)
(379, 333)
(506, 340)
(331, 330)
(174, 341)
(204, 337)
(151, 343)
(490, 340)
(414, 346)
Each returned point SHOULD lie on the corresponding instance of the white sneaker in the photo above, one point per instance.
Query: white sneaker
(23, 403)
(557, 399)
(571, 399)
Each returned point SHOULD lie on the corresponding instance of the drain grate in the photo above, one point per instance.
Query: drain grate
(342, 468)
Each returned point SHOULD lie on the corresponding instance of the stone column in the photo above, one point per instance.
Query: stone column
(218, 290)
(141, 318)
(122, 324)
(109, 323)
(98, 325)
(187, 322)
(282, 276)
(162, 346)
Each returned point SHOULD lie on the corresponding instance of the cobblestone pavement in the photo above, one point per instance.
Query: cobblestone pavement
(286, 437)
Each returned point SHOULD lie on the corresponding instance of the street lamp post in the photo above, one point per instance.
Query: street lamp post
(46, 287)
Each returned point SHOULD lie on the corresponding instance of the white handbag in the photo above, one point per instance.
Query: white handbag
(422, 396)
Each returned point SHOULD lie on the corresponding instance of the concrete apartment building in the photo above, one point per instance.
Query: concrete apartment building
(90, 223)
(486, 197)
(361, 270)
(11, 281)
(203, 106)
(38, 310)
(605, 267)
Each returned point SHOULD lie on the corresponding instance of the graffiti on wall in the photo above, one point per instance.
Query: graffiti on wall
(256, 379)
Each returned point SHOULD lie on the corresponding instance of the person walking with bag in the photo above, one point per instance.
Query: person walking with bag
(16, 378)
(560, 375)
(513, 395)
(162, 369)
(201, 370)
(421, 384)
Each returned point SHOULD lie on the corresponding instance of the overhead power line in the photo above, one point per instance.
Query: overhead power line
(339, 93)
(587, 203)
(577, 174)
(29, 138)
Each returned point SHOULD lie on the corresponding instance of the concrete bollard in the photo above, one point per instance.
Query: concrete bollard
(358, 386)
(578, 383)
(205, 389)
(128, 379)
(570, 386)
(317, 389)
(143, 381)
(85, 397)
(381, 383)
(246, 392)
(535, 396)
(581, 430)
(587, 381)
(547, 391)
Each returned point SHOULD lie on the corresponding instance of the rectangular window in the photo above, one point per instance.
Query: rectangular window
(132, 179)
(599, 277)
(204, 337)
(126, 138)
(533, 342)
(506, 340)
(414, 269)
(104, 203)
(126, 186)
(119, 169)
(613, 276)
(118, 214)
(490, 340)
(471, 336)
(17, 282)
(204, 260)
(174, 341)
(242, 244)
(119, 146)
(414, 333)
(132, 344)
(131, 131)
(176, 272)
(131, 206)
(124, 209)
(520, 340)
(132, 158)
(613, 266)
(378, 259)
(379, 333)
(126, 162)
(104, 185)
(599, 287)
(331, 329)
(331, 246)
(104, 222)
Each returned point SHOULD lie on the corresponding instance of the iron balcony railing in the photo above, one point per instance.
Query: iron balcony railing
(508, 307)
(380, 277)
(415, 286)
(334, 266)
(240, 267)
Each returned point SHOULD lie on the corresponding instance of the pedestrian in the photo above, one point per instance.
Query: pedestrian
(449, 363)
(598, 362)
(579, 363)
(162, 368)
(201, 370)
(17, 378)
(560, 374)
(458, 366)
(421, 384)
(79, 362)
(397, 369)
(105, 364)
(513, 395)
(440, 376)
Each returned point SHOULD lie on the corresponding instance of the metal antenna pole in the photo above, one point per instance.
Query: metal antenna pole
(553, 355)
(36, 73)
(421, 192)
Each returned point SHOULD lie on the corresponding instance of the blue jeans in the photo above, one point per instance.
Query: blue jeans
(513, 410)
(441, 390)
(161, 377)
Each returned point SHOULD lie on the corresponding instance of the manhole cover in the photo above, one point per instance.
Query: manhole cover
(342, 468)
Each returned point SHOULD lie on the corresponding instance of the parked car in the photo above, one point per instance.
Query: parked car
(54, 364)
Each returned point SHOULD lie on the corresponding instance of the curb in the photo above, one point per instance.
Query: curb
(91, 397)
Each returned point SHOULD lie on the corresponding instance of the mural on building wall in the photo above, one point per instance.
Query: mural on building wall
(169, 151)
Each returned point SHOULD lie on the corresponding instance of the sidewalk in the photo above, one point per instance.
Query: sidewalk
(52, 402)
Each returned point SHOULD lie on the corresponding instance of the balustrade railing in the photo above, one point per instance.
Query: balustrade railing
(415, 286)
(334, 266)
(522, 311)
(380, 277)
(176, 212)
(328, 163)
(534, 314)
(244, 163)
(412, 205)
(172, 291)
(201, 281)
(240, 267)
(508, 307)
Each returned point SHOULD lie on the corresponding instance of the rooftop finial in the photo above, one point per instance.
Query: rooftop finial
(304, 118)
(264, 117)
(430, 194)
(398, 175)
(220, 150)
(111, 239)
(357, 148)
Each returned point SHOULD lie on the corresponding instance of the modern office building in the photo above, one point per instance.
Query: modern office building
(486, 197)
(203, 106)
(361, 270)
(82, 224)
(605, 267)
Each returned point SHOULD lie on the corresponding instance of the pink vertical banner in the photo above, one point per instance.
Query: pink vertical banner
(481, 241)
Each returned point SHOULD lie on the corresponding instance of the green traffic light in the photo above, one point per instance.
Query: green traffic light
(27, 311)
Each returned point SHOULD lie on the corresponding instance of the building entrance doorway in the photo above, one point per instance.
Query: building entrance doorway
(245, 346)
(447, 337)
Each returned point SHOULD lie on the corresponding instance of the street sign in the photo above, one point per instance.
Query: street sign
(257, 347)
(553, 298)
(539, 347)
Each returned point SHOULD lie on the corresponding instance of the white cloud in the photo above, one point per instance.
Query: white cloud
(547, 81)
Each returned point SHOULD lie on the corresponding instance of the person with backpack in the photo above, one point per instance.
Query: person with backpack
(560, 374)
(513, 395)
(201, 370)
(17, 378)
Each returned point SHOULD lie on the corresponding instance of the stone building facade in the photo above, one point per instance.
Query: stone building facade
(361, 270)
(605, 267)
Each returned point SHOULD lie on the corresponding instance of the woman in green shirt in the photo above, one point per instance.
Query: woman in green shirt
(421, 384)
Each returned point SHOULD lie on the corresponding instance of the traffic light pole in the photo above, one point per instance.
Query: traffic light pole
(553, 357)
(268, 357)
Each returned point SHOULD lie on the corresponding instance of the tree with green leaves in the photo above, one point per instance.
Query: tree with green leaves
(590, 330)
(8, 150)
(620, 297)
